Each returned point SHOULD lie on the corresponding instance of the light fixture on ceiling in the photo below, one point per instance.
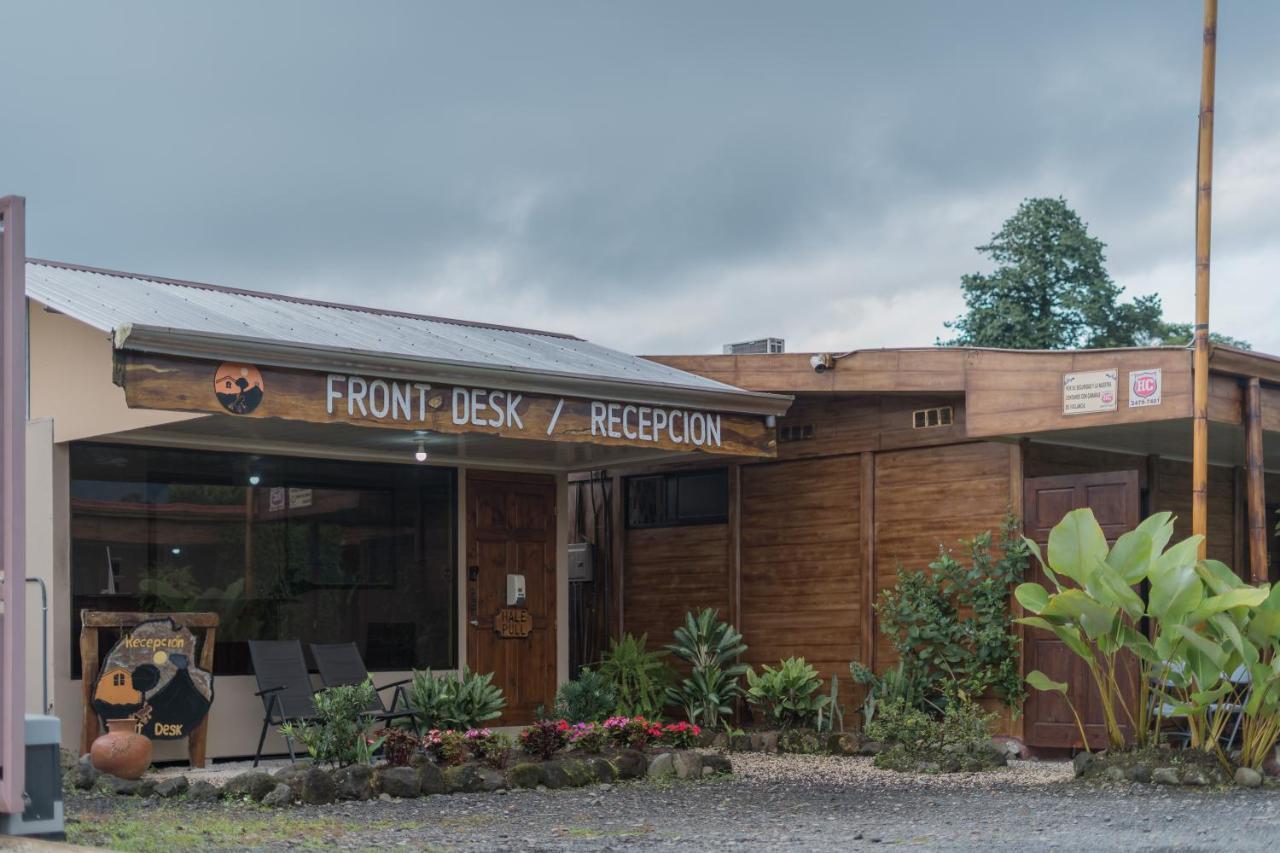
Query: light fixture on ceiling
(421, 453)
(254, 479)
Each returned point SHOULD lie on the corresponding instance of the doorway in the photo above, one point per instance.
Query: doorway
(1115, 499)
(511, 532)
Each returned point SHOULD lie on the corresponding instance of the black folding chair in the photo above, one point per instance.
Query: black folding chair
(284, 686)
(340, 664)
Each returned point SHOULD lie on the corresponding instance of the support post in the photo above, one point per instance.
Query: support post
(13, 425)
(1204, 194)
(867, 532)
(1256, 486)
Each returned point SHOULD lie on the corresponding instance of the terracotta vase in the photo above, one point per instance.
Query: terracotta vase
(121, 751)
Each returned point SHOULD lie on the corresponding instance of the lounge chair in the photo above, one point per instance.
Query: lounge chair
(284, 686)
(341, 664)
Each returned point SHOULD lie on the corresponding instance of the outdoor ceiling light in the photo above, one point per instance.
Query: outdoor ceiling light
(254, 479)
(421, 453)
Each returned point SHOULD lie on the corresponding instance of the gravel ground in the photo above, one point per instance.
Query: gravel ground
(775, 802)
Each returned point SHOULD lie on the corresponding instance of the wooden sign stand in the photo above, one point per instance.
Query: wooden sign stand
(92, 621)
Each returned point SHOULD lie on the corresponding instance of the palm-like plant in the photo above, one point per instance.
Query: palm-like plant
(639, 676)
(711, 648)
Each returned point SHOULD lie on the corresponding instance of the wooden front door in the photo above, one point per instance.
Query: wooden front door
(1114, 498)
(511, 530)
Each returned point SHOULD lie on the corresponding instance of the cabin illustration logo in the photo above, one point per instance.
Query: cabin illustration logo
(239, 387)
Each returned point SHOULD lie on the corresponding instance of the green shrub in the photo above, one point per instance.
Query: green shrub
(789, 695)
(712, 648)
(952, 623)
(339, 733)
(799, 742)
(958, 740)
(639, 677)
(590, 699)
(448, 746)
(455, 702)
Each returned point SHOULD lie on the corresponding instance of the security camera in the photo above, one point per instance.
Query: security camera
(822, 363)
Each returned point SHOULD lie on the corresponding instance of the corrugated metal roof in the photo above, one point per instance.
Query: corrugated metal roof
(111, 301)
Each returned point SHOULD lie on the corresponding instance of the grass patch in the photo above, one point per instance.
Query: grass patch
(155, 829)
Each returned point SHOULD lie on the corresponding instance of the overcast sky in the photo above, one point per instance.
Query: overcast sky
(659, 177)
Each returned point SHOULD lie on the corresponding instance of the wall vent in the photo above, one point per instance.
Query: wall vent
(930, 418)
(795, 432)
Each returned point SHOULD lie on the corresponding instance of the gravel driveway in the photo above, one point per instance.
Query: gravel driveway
(775, 802)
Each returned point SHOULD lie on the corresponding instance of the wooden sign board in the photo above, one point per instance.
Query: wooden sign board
(245, 390)
(1089, 392)
(513, 623)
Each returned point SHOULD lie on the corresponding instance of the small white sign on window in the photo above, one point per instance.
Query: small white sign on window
(1092, 391)
(1144, 388)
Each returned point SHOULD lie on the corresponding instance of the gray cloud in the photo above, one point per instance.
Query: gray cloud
(655, 176)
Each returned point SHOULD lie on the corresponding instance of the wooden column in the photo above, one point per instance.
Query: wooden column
(1200, 374)
(617, 545)
(867, 531)
(1256, 485)
(734, 557)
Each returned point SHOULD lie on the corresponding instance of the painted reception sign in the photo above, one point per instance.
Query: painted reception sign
(245, 390)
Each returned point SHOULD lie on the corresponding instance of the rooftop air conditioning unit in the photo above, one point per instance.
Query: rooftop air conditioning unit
(761, 346)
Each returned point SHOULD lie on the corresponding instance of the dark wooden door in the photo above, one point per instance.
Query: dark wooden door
(511, 530)
(1115, 500)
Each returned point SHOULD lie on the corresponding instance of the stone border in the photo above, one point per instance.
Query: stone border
(312, 785)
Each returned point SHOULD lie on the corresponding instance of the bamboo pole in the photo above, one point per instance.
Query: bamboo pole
(1257, 496)
(1204, 194)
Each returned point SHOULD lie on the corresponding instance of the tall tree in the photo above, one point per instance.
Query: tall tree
(1050, 289)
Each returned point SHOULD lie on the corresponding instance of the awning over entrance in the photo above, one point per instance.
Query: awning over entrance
(281, 372)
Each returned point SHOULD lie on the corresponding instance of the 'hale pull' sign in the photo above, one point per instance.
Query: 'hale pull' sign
(245, 390)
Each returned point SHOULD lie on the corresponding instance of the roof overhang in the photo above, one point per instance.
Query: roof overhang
(185, 343)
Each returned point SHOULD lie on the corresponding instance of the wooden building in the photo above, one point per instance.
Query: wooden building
(886, 455)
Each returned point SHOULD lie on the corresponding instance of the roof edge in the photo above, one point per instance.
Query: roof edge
(300, 300)
(187, 344)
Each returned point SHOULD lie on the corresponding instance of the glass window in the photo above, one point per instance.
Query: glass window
(685, 497)
(280, 547)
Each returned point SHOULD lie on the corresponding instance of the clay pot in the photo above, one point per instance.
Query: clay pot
(121, 751)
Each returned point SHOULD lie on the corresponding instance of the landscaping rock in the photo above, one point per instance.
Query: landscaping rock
(843, 743)
(279, 796)
(718, 764)
(491, 780)
(799, 742)
(580, 772)
(463, 779)
(202, 791)
(603, 769)
(1113, 774)
(1012, 746)
(292, 776)
(767, 741)
(995, 754)
(526, 775)
(318, 788)
(430, 780)
(742, 743)
(120, 787)
(687, 764)
(1082, 763)
(555, 776)
(871, 747)
(631, 764)
(402, 782)
(1138, 773)
(356, 782)
(1195, 776)
(661, 766)
(1165, 776)
(84, 776)
(174, 786)
(254, 784)
(1247, 777)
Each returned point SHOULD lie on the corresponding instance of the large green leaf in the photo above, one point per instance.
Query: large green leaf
(1076, 544)
(1109, 587)
(1076, 605)
(1132, 555)
(1264, 626)
(1211, 651)
(1040, 681)
(1068, 634)
(1245, 596)
(1176, 589)
(1032, 596)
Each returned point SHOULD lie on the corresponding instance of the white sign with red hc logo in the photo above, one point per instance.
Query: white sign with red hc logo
(1144, 388)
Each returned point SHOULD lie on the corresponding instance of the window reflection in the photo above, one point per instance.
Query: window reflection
(278, 547)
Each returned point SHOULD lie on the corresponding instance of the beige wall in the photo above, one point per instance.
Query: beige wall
(71, 380)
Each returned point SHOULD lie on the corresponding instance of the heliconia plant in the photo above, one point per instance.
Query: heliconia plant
(1202, 626)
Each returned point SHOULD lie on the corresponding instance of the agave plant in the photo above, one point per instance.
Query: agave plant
(711, 647)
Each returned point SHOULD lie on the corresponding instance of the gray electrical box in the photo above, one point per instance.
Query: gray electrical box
(42, 816)
(582, 562)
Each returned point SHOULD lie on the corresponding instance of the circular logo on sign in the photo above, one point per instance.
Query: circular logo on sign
(1144, 385)
(239, 387)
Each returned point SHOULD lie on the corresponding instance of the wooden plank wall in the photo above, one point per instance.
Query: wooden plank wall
(670, 570)
(929, 498)
(801, 564)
